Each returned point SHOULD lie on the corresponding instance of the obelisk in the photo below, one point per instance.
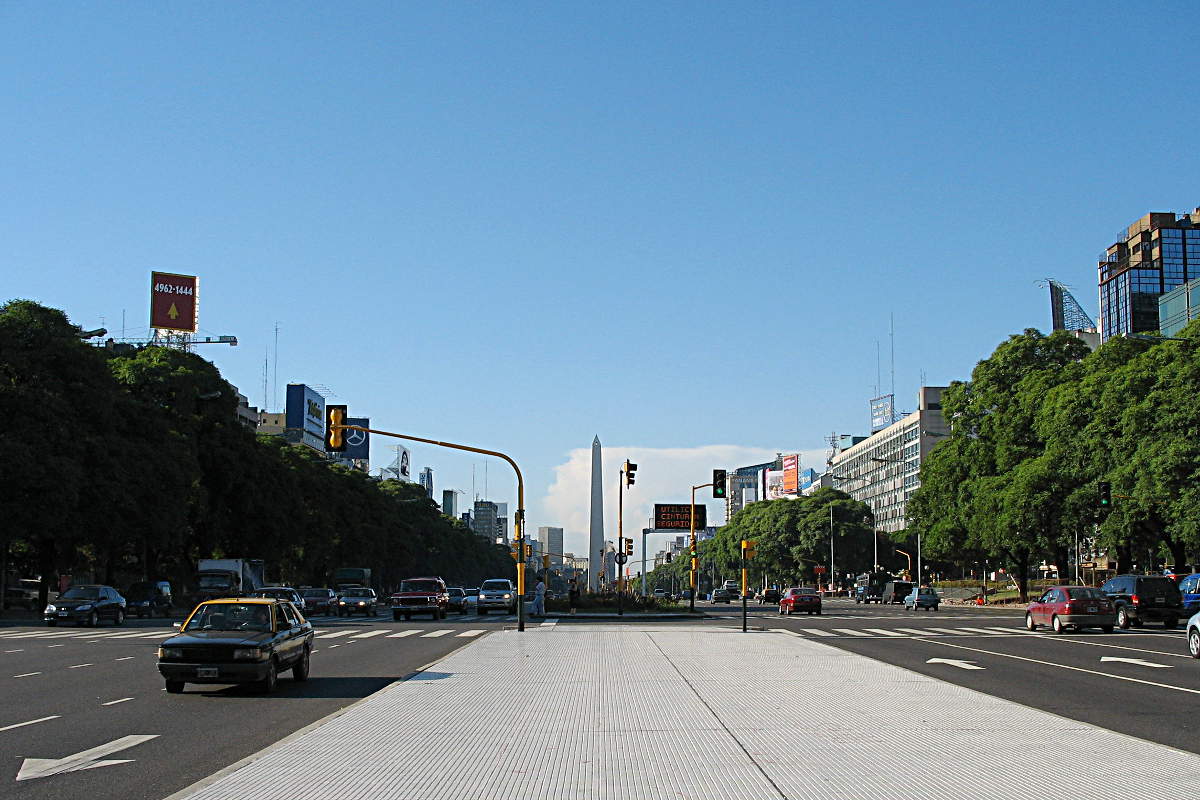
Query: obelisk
(596, 531)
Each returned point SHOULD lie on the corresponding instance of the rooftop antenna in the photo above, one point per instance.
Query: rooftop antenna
(877, 374)
(266, 386)
(275, 373)
(892, 334)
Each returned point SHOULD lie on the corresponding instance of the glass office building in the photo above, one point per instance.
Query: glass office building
(1154, 255)
(1178, 307)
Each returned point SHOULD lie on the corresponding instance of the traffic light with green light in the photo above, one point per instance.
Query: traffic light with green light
(718, 483)
(1105, 494)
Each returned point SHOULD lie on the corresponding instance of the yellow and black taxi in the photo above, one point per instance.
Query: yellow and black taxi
(238, 640)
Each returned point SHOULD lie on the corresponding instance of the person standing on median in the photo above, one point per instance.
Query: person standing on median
(539, 598)
(573, 595)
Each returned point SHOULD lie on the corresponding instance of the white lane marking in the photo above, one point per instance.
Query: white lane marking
(435, 634)
(333, 646)
(917, 631)
(114, 702)
(369, 634)
(947, 631)
(335, 634)
(56, 645)
(469, 634)
(30, 722)
(1068, 667)
(26, 674)
(123, 658)
(1007, 630)
(401, 634)
(1073, 640)
(157, 635)
(15, 651)
(42, 767)
(1137, 661)
(955, 663)
(132, 635)
(816, 632)
(852, 632)
(78, 666)
(549, 624)
(884, 632)
(979, 630)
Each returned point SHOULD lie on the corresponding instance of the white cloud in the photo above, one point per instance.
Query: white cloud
(664, 475)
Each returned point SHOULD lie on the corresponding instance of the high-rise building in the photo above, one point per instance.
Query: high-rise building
(426, 481)
(485, 519)
(1150, 258)
(552, 543)
(448, 504)
(596, 527)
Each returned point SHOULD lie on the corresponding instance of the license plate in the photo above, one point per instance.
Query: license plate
(62, 613)
(206, 672)
(1091, 609)
(1160, 599)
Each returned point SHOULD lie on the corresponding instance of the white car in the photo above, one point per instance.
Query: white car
(1193, 635)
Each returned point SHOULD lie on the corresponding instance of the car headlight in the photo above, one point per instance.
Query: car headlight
(249, 654)
(508, 597)
(341, 602)
(84, 607)
(170, 652)
(362, 602)
(51, 609)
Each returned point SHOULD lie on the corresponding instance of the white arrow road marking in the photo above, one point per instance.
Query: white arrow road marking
(955, 663)
(30, 722)
(1137, 661)
(88, 759)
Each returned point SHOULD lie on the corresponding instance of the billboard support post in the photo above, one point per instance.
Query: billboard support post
(518, 520)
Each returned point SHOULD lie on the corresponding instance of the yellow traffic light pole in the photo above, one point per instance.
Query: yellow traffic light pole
(694, 554)
(519, 520)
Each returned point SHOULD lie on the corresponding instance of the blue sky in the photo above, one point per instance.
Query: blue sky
(520, 225)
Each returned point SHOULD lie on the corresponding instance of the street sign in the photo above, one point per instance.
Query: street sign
(819, 569)
(173, 301)
(678, 516)
(1087, 564)
(622, 558)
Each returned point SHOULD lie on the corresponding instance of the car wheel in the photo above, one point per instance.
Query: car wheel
(1109, 629)
(1056, 624)
(1122, 618)
(174, 687)
(935, 608)
(818, 612)
(300, 671)
(781, 611)
(93, 619)
(407, 617)
(268, 684)
(120, 618)
(1170, 623)
(395, 616)
(1194, 642)
(1030, 625)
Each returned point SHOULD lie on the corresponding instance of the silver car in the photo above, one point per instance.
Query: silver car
(497, 593)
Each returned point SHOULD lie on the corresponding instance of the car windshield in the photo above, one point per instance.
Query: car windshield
(806, 591)
(1163, 586)
(277, 593)
(357, 593)
(495, 586)
(81, 593)
(472, 592)
(1085, 593)
(316, 592)
(419, 586)
(231, 617)
(926, 591)
(457, 593)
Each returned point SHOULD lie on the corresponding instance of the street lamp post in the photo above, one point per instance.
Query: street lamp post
(694, 554)
(901, 461)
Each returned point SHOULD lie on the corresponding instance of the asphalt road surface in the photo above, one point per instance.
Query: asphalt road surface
(66, 690)
(1140, 682)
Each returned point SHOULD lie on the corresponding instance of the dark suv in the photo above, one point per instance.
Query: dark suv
(1142, 598)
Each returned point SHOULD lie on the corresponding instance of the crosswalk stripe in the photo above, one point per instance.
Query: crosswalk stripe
(947, 631)
(401, 634)
(435, 634)
(979, 630)
(132, 635)
(884, 632)
(917, 631)
(335, 634)
(851, 632)
(549, 624)
(158, 635)
(469, 634)
(815, 632)
(369, 634)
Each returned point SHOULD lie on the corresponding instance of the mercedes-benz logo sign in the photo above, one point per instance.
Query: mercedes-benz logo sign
(356, 438)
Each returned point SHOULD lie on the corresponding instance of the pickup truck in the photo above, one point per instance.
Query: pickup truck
(420, 596)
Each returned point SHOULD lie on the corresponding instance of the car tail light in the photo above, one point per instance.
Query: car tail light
(1134, 599)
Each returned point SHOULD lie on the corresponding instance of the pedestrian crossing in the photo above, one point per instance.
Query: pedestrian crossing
(904, 633)
(346, 634)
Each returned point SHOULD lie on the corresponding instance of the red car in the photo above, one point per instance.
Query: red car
(420, 596)
(1079, 606)
(798, 599)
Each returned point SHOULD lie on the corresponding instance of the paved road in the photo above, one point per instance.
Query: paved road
(1152, 696)
(81, 688)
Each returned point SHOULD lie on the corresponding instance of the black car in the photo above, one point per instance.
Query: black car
(1142, 598)
(86, 605)
(319, 601)
(148, 599)
(770, 596)
(238, 641)
(282, 593)
(358, 601)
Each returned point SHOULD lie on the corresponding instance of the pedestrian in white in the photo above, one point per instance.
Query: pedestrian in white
(539, 599)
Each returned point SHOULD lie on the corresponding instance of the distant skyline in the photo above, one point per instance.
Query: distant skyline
(681, 227)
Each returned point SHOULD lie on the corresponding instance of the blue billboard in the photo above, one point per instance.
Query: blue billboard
(358, 443)
(305, 412)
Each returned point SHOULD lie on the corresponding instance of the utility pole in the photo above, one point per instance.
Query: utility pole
(693, 553)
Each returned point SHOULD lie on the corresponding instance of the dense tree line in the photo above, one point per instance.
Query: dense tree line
(1042, 422)
(133, 466)
(792, 536)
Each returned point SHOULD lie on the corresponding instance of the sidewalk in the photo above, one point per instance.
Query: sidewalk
(621, 712)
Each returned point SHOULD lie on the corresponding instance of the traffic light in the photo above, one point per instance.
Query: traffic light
(630, 468)
(629, 547)
(1105, 494)
(668, 558)
(514, 549)
(335, 440)
(545, 562)
(695, 564)
(718, 483)
(528, 550)
(748, 550)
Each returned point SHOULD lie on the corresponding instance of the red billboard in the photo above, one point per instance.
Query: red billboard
(174, 300)
(791, 475)
(678, 516)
